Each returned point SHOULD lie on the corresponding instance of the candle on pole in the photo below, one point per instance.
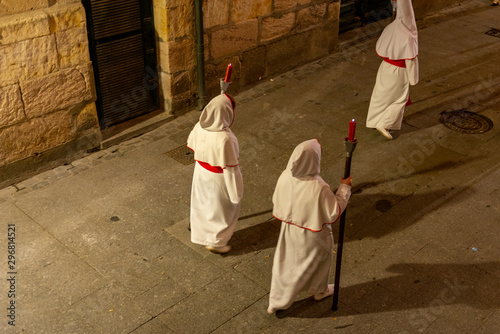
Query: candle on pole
(228, 73)
(352, 130)
(224, 83)
(350, 144)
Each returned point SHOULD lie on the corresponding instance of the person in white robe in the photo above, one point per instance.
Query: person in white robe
(307, 208)
(398, 45)
(217, 186)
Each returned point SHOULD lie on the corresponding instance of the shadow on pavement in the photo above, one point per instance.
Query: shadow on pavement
(256, 237)
(378, 215)
(418, 287)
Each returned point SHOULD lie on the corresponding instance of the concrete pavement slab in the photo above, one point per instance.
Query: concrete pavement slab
(162, 296)
(206, 310)
(492, 324)
(154, 326)
(189, 269)
(50, 314)
(111, 311)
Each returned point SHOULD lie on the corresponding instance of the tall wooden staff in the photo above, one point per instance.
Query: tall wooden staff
(350, 144)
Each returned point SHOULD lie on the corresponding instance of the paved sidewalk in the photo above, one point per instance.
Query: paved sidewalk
(102, 245)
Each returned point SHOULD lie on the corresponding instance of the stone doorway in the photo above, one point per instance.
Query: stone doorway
(123, 52)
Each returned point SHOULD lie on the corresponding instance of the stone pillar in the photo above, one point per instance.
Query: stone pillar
(174, 24)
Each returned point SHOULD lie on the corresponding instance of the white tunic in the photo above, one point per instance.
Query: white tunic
(390, 94)
(398, 42)
(215, 196)
(307, 208)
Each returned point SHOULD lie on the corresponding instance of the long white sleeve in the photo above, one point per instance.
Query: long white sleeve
(343, 194)
(234, 183)
(412, 69)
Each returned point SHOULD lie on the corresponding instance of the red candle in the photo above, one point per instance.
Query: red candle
(352, 130)
(228, 73)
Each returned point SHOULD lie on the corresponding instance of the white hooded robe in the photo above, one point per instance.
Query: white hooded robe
(215, 196)
(398, 42)
(307, 208)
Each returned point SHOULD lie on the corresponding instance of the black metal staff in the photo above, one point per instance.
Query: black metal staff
(349, 144)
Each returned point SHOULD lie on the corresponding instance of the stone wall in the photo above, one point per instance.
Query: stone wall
(47, 94)
(261, 38)
(175, 32)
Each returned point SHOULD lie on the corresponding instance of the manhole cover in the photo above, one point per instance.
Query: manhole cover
(493, 32)
(182, 154)
(466, 121)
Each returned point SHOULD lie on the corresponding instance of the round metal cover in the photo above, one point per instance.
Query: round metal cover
(466, 121)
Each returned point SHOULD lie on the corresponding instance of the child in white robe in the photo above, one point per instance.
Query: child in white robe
(217, 186)
(307, 208)
(398, 45)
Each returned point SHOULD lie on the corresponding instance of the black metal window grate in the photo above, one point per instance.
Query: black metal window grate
(123, 52)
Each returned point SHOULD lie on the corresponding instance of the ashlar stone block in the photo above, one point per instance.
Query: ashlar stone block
(180, 21)
(19, 27)
(34, 136)
(249, 9)
(171, 3)
(87, 120)
(311, 16)
(253, 65)
(334, 11)
(27, 59)
(177, 56)
(160, 21)
(87, 71)
(181, 83)
(215, 13)
(273, 27)
(10, 7)
(174, 23)
(240, 37)
(284, 4)
(72, 47)
(11, 105)
(63, 17)
(53, 92)
(295, 49)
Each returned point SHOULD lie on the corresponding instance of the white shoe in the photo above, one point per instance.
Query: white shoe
(325, 294)
(219, 250)
(271, 310)
(385, 133)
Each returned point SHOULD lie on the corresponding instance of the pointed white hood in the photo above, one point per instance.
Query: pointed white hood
(211, 139)
(301, 197)
(399, 40)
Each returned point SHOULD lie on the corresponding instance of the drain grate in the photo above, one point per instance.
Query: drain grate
(466, 121)
(182, 154)
(493, 32)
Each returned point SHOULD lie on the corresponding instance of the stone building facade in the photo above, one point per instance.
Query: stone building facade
(48, 95)
(264, 38)
(47, 109)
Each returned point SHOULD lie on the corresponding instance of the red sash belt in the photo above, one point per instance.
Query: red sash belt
(397, 62)
(213, 169)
